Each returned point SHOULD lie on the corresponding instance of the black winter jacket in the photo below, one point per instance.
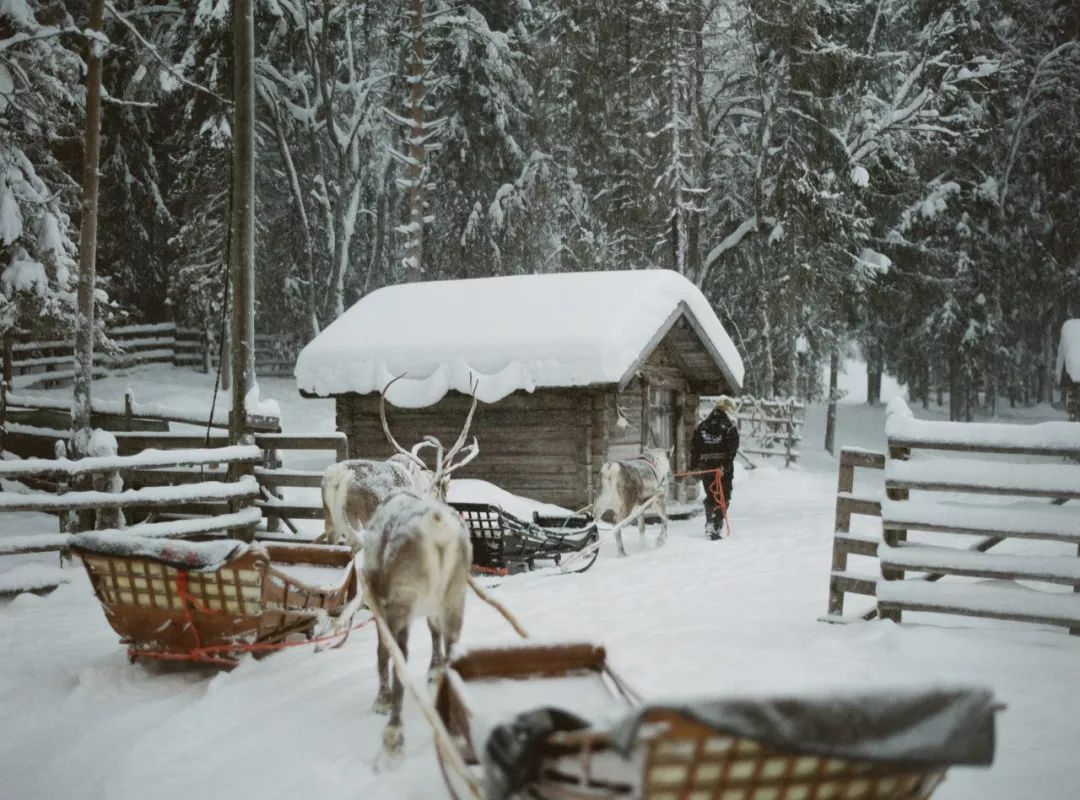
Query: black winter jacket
(715, 442)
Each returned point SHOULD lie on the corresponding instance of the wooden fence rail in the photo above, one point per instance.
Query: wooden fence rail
(914, 465)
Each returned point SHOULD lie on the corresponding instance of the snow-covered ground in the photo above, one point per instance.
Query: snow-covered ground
(694, 618)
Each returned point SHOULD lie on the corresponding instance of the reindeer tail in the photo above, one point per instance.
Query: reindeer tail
(335, 492)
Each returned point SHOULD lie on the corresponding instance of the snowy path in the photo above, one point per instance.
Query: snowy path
(695, 617)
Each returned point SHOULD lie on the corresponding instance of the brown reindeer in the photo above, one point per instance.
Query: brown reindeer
(627, 486)
(352, 490)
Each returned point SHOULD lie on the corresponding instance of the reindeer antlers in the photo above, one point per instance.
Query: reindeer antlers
(443, 463)
(414, 454)
(474, 384)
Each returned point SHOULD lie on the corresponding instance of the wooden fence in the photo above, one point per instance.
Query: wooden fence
(178, 480)
(29, 363)
(846, 543)
(916, 463)
(770, 427)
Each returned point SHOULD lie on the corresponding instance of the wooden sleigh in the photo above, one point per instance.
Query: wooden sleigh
(210, 602)
(621, 749)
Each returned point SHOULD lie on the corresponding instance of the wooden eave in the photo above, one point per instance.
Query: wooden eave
(692, 350)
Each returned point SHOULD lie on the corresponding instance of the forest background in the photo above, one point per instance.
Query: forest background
(902, 175)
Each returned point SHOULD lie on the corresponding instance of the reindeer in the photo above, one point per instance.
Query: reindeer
(626, 487)
(417, 556)
(352, 490)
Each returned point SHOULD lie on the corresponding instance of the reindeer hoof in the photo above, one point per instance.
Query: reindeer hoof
(382, 703)
(393, 740)
(434, 674)
(393, 749)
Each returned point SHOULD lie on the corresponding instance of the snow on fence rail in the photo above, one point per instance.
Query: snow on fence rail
(914, 465)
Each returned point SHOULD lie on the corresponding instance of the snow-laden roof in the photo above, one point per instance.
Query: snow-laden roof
(513, 333)
(1068, 357)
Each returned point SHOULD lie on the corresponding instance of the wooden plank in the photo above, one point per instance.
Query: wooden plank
(856, 545)
(164, 458)
(33, 543)
(952, 561)
(1009, 602)
(855, 504)
(854, 582)
(1050, 523)
(862, 458)
(142, 498)
(289, 510)
(917, 443)
(296, 478)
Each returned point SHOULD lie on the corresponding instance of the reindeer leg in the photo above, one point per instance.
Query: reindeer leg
(382, 699)
(663, 521)
(618, 541)
(438, 655)
(454, 612)
(641, 529)
(393, 739)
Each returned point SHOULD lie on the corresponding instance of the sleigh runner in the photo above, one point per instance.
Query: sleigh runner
(503, 544)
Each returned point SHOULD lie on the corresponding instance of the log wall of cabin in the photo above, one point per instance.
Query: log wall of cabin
(533, 445)
(548, 445)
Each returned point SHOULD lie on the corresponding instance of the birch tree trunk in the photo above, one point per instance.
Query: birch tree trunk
(414, 243)
(84, 325)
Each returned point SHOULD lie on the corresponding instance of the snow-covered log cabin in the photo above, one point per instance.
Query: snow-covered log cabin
(1068, 368)
(563, 361)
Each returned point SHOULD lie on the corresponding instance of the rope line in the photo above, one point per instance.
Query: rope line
(716, 488)
(209, 654)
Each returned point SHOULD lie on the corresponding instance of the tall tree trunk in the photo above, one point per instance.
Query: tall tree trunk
(84, 325)
(414, 243)
(874, 370)
(957, 391)
(242, 236)
(768, 377)
(830, 414)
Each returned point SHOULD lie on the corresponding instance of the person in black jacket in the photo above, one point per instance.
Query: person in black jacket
(715, 443)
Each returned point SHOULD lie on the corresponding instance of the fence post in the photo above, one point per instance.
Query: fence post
(67, 518)
(129, 402)
(893, 536)
(272, 461)
(845, 483)
(109, 481)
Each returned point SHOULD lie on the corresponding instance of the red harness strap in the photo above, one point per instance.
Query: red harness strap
(716, 488)
(219, 654)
